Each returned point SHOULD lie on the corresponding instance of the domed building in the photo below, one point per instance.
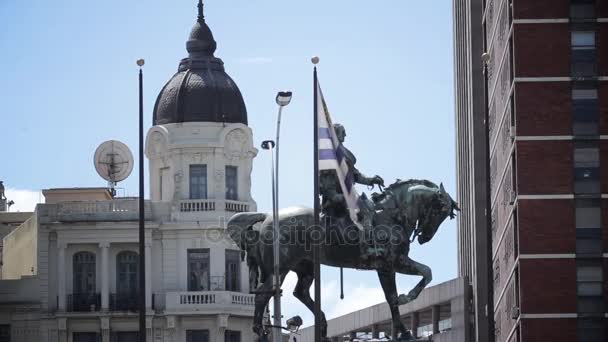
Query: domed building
(70, 268)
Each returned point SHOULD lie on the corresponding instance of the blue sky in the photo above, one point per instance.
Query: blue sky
(69, 82)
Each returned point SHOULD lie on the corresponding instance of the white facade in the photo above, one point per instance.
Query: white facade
(40, 301)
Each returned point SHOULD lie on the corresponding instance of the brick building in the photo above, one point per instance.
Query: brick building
(541, 262)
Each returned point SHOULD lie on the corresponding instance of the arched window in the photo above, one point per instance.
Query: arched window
(84, 273)
(127, 269)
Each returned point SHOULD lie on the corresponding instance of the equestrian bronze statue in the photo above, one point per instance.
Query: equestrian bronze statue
(403, 212)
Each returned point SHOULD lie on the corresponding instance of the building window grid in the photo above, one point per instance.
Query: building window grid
(5, 333)
(582, 10)
(84, 273)
(198, 269)
(232, 183)
(583, 53)
(197, 335)
(125, 336)
(232, 336)
(198, 181)
(233, 261)
(586, 167)
(585, 107)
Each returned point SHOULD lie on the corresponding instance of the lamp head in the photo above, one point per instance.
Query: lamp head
(283, 98)
(294, 323)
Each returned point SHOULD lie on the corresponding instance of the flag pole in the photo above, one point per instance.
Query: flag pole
(316, 244)
(142, 255)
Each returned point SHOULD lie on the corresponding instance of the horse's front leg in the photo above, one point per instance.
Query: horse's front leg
(412, 267)
(262, 297)
(387, 280)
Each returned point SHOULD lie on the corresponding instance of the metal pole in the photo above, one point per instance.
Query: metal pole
(275, 253)
(317, 209)
(276, 235)
(142, 263)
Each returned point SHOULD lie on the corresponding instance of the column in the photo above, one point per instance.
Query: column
(435, 319)
(148, 262)
(62, 331)
(414, 326)
(149, 329)
(105, 275)
(61, 276)
(105, 329)
(170, 331)
(375, 331)
(222, 324)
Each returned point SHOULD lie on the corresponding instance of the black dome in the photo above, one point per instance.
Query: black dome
(200, 91)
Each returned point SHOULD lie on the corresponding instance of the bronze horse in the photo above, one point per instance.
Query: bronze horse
(404, 211)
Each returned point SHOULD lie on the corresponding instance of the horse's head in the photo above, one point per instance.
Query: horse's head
(433, 211)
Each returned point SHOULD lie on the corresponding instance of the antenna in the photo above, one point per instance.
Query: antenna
(113, 162)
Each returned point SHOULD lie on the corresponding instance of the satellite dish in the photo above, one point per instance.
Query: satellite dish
(113, 162)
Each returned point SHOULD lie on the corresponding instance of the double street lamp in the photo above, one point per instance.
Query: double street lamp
(283, 98)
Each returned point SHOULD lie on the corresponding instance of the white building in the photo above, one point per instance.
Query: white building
(69, 271)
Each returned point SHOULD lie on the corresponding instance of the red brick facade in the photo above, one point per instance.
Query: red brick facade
(556, 329)
(545, 167)
(542, 50)
(546, 226)
(534, 239)
(543, 108)
(547, 286)
(541, 9)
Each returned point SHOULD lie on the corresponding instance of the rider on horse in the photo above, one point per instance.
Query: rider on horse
(333, 202)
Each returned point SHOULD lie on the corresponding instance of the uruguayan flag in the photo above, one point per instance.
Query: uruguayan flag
(331, 157)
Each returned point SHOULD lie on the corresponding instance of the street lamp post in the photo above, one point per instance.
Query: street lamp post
(283, 98)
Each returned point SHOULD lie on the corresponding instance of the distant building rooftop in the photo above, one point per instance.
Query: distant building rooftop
(58, 195)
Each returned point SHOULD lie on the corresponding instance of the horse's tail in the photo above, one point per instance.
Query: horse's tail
(239, 224)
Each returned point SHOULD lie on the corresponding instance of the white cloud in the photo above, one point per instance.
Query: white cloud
(25, 200)
(254, 60)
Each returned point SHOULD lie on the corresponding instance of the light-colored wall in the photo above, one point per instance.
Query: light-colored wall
(172, 148)
(19, 253)
(52, 196)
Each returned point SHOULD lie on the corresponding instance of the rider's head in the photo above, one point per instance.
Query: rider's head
(340, 132)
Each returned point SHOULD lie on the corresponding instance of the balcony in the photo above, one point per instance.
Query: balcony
(83, 302)
(204, 205)
(209, 302)
(114, 210)
(123, 302)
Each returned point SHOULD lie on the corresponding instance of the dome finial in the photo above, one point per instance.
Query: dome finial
(201, 16)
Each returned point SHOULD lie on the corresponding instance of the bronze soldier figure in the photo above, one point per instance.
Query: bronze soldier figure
(333, 202)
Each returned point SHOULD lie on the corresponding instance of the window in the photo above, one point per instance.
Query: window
(586, 167)
(127, 273)
(233, 267)
(589, 286)
(125, 336)
(231, 183)
(589, 241)
(583, 53)
(84, 273)
(5, 333)
(198, 270)
(197, 335)
(86, 337)
(198, 181)
(590, 330)
(588, 213)
(582, 9)
(585, 111)
(232, 336)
